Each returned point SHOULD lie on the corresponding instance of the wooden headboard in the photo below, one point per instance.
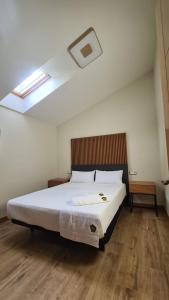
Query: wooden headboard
(106, 152)
(99, 150)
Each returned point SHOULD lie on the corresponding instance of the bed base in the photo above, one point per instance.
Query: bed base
(102, 241)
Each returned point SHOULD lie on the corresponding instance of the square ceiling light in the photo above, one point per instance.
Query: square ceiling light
(85, 48)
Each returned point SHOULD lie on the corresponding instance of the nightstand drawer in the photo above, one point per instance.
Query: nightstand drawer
(56, 181)
(142, 188)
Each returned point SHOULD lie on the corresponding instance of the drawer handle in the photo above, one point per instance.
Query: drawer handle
(165, 182)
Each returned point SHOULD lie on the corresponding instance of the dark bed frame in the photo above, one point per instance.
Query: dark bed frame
(125, 202)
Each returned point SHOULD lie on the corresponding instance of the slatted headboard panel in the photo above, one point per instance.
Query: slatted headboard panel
(99, 150)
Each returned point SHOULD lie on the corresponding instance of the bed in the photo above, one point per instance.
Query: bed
(52, 209)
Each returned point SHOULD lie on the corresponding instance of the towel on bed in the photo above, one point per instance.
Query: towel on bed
(91, 199)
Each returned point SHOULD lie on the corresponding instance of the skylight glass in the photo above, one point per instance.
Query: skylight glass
(31, 83)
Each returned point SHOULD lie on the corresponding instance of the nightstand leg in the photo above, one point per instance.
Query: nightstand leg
(131, 202)
(155, 205)
(32, 229)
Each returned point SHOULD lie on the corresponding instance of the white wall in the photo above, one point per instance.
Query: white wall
(131, 110)
(28, 155)
(164, 172)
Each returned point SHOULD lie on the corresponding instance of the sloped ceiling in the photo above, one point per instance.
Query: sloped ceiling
(33, 32)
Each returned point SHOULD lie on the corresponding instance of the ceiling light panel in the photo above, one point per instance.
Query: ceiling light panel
(86, 48)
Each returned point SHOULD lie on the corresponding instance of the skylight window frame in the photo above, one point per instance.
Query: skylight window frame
(29, 90)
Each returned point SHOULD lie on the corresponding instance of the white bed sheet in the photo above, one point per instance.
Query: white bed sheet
(51, 209)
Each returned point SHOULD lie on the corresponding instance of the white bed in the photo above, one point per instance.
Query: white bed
(52, 210)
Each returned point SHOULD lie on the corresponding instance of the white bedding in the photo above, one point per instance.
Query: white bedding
(52, 209)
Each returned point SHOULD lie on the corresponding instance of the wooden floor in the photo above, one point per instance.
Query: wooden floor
(135, 264)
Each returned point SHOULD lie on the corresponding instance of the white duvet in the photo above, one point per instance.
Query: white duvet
(52, 209)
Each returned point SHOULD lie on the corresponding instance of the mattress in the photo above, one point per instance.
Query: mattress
(52, 209)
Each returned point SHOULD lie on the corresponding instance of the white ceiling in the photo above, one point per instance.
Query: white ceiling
(33, 32)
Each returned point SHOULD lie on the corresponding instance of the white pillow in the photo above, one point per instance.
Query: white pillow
(109, 176)
(83, 177)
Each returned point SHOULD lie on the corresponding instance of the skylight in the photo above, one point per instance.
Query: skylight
(30, 84)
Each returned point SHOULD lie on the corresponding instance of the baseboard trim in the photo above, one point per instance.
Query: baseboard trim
(4, 219)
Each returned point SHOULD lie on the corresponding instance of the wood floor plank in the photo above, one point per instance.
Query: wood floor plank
(135, 264)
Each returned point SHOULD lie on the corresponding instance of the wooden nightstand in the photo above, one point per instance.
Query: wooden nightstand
(143, 188)
(56, 181)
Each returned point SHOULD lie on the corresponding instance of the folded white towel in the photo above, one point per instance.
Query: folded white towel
(91, 199)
